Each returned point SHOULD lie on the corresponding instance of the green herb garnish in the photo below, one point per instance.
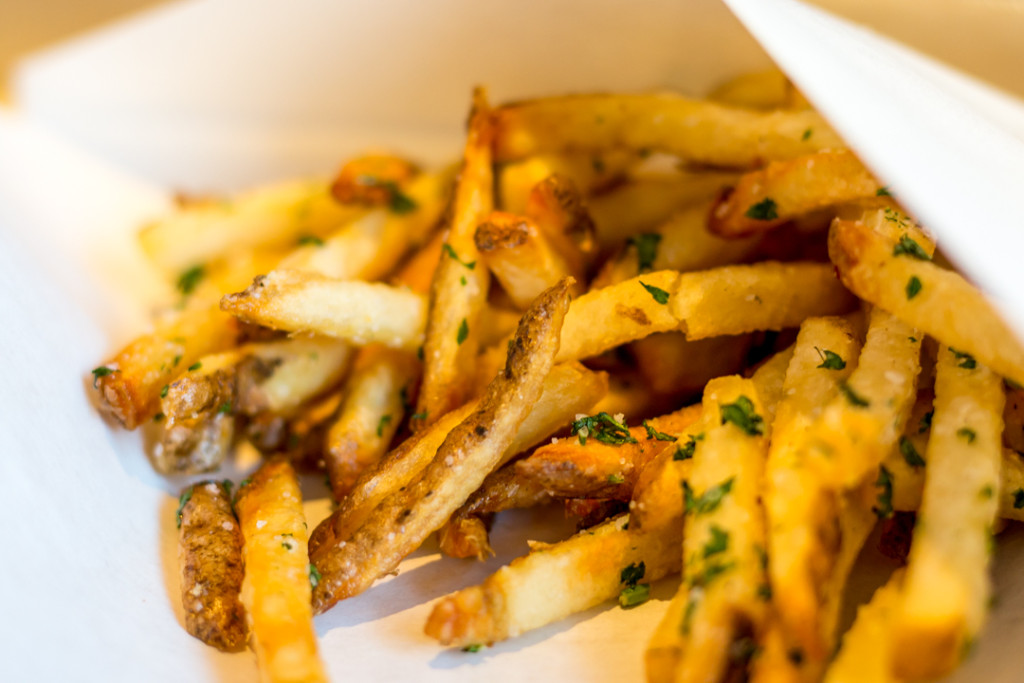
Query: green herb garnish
(742, 414)
(463, 332)
(913, 287)
(764, 210)
(646, 249)
(967, 361)
(910, 453)
(384, 421)
(853, 397)
(190, 279)
(183, 500)
(653, 433)
(718, 543)
(883, 508)
(602, 427)
(707, 502)
(660, 295)
(314, 575)
(830, 360)
(310, 240)
(908, 247)
(967, 434)
(451, 252)
(631, 596)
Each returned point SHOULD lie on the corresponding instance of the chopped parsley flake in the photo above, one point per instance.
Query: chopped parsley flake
(764, 591)
(616, 478)
(908, 247)
(967, 361)
(685, 452)
(764, 210)
(967, 434)
(631, 596)
(853, 397)
(101, 371)
(710, 572)
(602, 427)
(314, 575)
(691, 608)
(883, 508)
(164, 389)
(742, 414)
(910, 453)
(1018, 499)
(195, 366)
(632, 574)
(646, 250)
(987, 492)
(926, 422)
(653, 433)
(451, 252)
(718, 543)
(463, 332)
(190, 279)
(807, 135)
(384, 421)
(183, 500)
(225, 408)
(159, 417)
(419, 416)
(830, 360)
(310, 240)
(913, 287)
(660, 295)
(475, 647)
(707, 502)
(883, 192)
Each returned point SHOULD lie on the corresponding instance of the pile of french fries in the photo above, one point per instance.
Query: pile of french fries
(700, 326)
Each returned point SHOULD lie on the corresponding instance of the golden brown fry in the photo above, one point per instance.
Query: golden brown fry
(556, 205)
(590, 171)
(769, 89)
(867, 646)
(418, 272)
(585, 467)
(360, 312)
(906, 462)
(673, 365)
(276, 588)
(693, 130)
(521, 257)
(271, 216)
(785, 190)
(945, 594)
(552, 582)
(129, 384)
(370, 414)
(210, 562)
(470, 452)
(936, 301)
(374, 179)
(459, 290)
(711, 303)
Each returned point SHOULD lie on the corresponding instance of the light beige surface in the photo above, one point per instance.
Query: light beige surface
(28, 25)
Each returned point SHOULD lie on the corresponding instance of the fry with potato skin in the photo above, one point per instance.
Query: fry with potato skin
(552, 582)
(945, 593)
(276, 589)
(785, 190)
(210, 565)
(693, 130)
(557, 206)
(360, 312)
(470, 452)
(459, 289)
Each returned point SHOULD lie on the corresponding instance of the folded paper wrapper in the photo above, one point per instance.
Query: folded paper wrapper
(221, 94)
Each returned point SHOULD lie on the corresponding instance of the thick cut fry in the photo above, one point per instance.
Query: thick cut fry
(370, 414)
(862, 424)
(552, 582)
(360, 312)
(681, 243)
(768, 89)
(459, 290)
(276, 588)
(936, 301)
(556, 205)
(470, 452)
(693, 130)
(370, 246)
(210, 562)
(129, 384)
(946, 590)
(591, 467)
(785, 190)
(867, 646)
(276, 215)
(521, 257)
(374, 179)
(710, 303)
(723, 535)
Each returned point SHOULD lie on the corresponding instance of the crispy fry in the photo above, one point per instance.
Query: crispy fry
(210, 562)
(936, 301)
(470, 452)
(946, 591)
(722, 301)
(769, 89)
(276, 587)
(785, 190)
(459, 290)
(360, 312)
(275, 215)
(370, 414)
(906, 462)
(589, 171)
(130, 383)
(867, 646)
(418, 271)
(521, 257)
(557, 206)
(373, 179)
(552, 582)
(697, 131)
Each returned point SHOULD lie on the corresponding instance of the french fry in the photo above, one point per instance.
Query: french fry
(723, 533)
(280, 376)
(370, 414)
(682, 243)
(552, 582)
(556, 205)
(359, 312)
(418, 271)
(906, 462)
(129, 384)
(693, 130)
(936, 301)
(459, 289)
(788, 189)
(275, 215)
(867, 646)
(370, 246)
(673, 365)
(521, 257)
(646, 202)
(802, 514)
(1013, 419)
(470, 452)
(605, 460)
(629, 395)
(946, 590)
(210, 565)
(710, 303)
(862, 424)
(769, 89)
(373, 180)
(589, 171)
(276, 589)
